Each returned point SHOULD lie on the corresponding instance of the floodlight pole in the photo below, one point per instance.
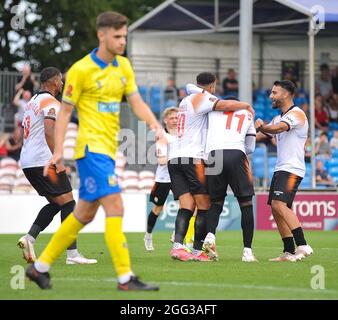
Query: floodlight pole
(245, 51)
(311, 35)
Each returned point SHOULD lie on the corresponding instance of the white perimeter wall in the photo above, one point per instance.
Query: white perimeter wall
(18, 212)
(153, 63)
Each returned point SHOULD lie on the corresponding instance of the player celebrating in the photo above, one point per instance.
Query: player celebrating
(95, 85)
(231, 136)
(186, 163)
(290, 129)
(38, 145)
(161, 188)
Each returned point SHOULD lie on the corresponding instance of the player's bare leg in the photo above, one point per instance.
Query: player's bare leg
(291, 220)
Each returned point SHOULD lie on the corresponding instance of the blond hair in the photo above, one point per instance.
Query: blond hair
(168, 111)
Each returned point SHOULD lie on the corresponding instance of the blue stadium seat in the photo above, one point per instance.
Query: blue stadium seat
(156, 99)
(335, 153)
(306, 182)
(260, 152)
(333, 163)
(272, 162)
(143, 90)
(333, 171)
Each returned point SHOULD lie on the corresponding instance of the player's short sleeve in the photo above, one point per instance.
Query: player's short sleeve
(294, 119)
(73, 86)
(50, 108)
(251, 130)
(130, 83)
(203, 102)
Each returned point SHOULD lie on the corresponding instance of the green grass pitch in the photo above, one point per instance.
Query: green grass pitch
(227, 279)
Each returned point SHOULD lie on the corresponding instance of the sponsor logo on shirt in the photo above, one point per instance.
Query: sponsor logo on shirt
(51, 112)
(90, 185)
(278, 193)
(109, 107)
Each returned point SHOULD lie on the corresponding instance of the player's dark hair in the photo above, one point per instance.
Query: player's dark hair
(205, 78)
(49, 73)
(287, 85)
(111, 19)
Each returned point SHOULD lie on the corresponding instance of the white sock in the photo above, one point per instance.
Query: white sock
(125, 277)
(72, 253)
(148, 235)
(41, 266)
(30, 238)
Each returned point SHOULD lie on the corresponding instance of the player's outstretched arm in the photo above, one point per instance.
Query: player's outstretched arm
(233, 105)
(60, 132)
(272, 128)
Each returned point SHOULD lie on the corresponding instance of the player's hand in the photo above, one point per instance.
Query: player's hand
(158, 131)
(251, 110)
(55, 160)
(259, 122)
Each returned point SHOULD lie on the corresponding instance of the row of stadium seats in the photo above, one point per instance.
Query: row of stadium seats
(261, 162)
(155, 97)
(132, 181)
(12, 178)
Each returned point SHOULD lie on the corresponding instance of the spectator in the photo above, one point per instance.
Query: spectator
(332, 108)
(322, 176)
(322, 148)
(321, 116)
(335, 80)
(181, 94)
(14, 144)
(20, 100)
(27, 80)
(230, 84)
(171, 92)
(334, 140)
(324, 84)
(308, 151)
(3, 147)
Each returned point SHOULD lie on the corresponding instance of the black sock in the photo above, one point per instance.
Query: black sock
(43, 219)
(182, 224)
(213, 217)
(152, 218)
(200, 229)
(66, 209)
(247, 224)
(298, 234)
(289, 245)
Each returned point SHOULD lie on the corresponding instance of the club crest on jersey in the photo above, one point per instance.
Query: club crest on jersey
(69, 91)
(99, 84)
(123, 80)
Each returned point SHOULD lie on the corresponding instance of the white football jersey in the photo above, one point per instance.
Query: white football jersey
(227, 130)
(162, 173)
(192, 126)
(290, 144)
(35, 151)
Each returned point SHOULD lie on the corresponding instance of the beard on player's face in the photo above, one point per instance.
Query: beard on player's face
(276, 104)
